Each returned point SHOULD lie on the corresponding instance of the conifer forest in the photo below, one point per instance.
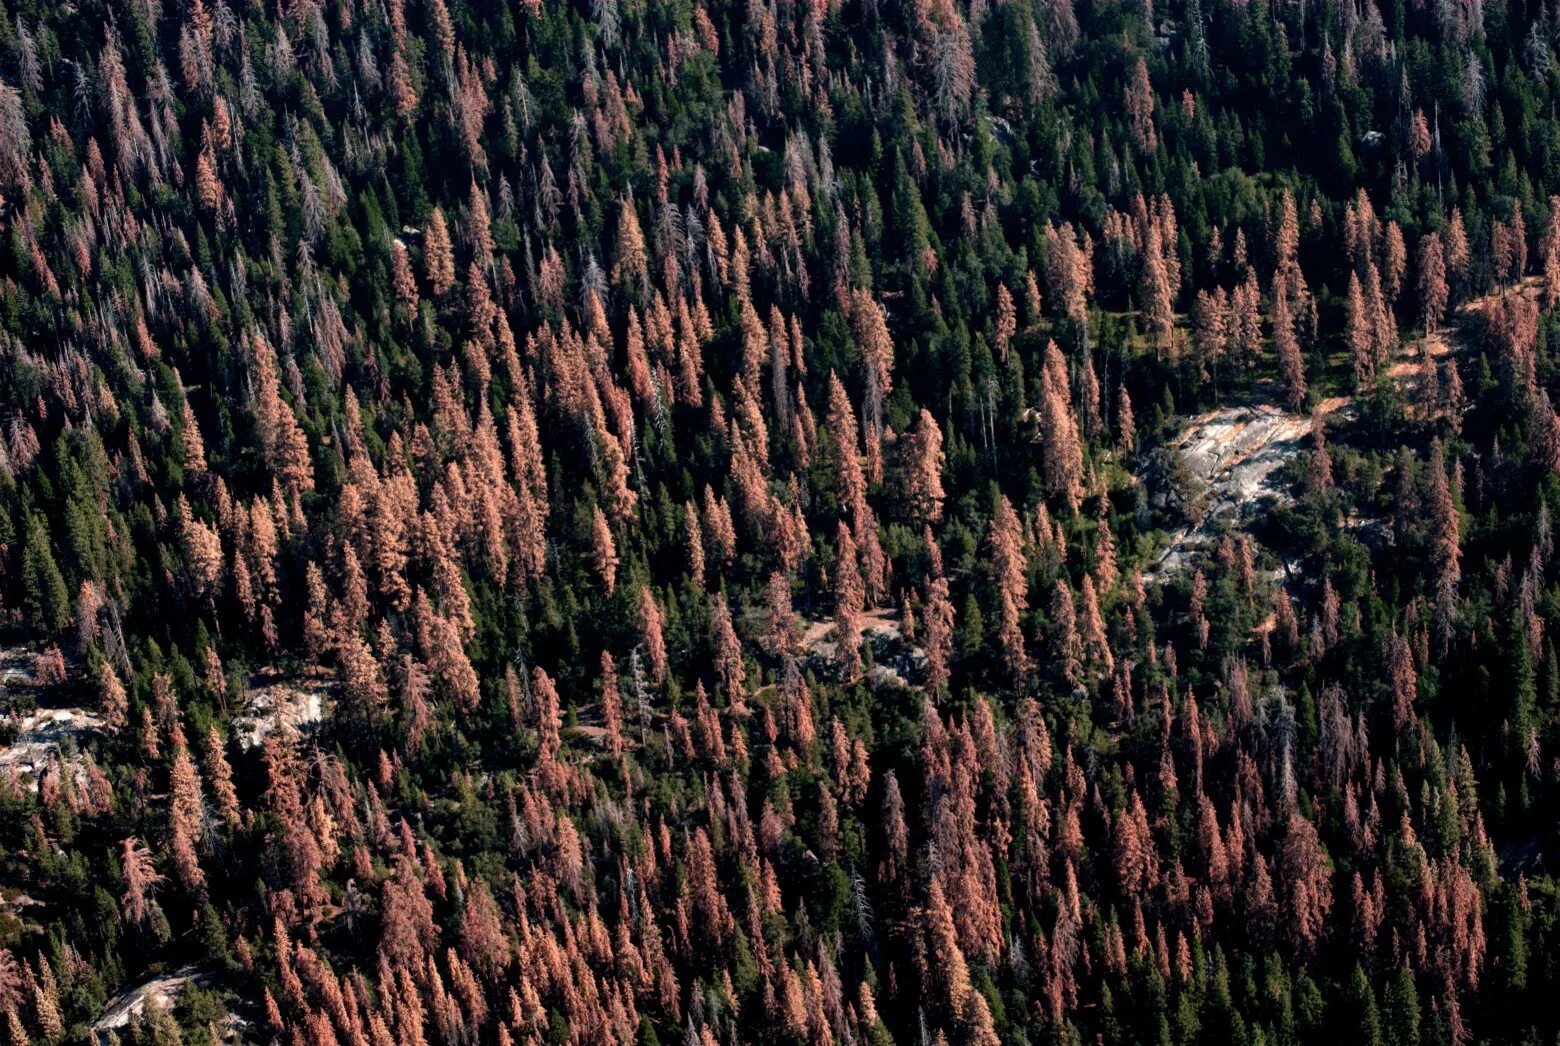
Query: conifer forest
(723, 522)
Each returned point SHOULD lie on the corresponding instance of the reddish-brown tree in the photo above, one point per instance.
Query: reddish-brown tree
(438, 254)
(1434, 293)
(1291, 364)
(923, 469)
(141, 880)
(1138, 101)
(849, 597)
(1009, 570)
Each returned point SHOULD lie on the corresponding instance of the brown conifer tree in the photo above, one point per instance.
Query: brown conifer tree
(1009, 569)
(1288, 280)
(1458, 254)
(113, 700)
(1394, 262)
(729, 666)
(185, 818)
(1445, 531)
(141, 880)
(221, 776)
(923, 469)
(1006, 321)
(1210, 328)
(651, 636)
(870, 329)
(849, 597)
(1068, 272)
(1433, 290)
(937, 617)
(1157, 303)
(1246, 319)
(1138, 101)
(1359, 333)
(1062, 449)
(438, 254)
(604, 551)
(1291, 364)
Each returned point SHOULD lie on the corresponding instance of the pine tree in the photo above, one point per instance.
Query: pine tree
(1359, 333)
(951, 969)
(45, 597)
(1319, 473)
(1007, 320)
(1360, 1015)
(1012, 586)
(729, 666)
(402, 280)
(1066, 647)
(923, 469)
(1138, 102)
(185, 819)
(651, 634)
(870, 328)
(1384, 333)
(1246, 319)
(1549, 252)
(604, 551)
(112, 698)
(1400, 1010)
(202, 549)
(1210, 328)
(1134, 849)
(1291, 364)
(1445, 537)
(938, 618)
(482, 939)
(438, 254)
(1068, 271)
(849, 597)
(631, 269)
(141, 879)
(1158, 307)
(221, 776)
(1433, 290)
(1062, 452)
(1458, 254)
(1394, 262)
(1288, 280)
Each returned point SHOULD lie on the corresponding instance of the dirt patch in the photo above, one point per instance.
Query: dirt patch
(818, 638)
(1414, 359)
(296, 702)
(894, 661)
(1412, 365)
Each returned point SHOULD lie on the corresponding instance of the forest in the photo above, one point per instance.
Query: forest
(990, 522)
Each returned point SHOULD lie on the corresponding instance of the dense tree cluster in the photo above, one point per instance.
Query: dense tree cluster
(718, 459)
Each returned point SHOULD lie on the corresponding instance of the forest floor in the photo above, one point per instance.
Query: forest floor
(892, 660)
